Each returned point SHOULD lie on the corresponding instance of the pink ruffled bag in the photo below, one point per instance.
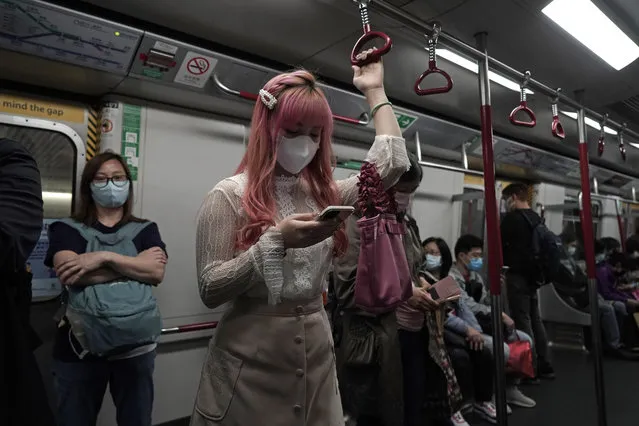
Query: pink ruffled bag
(383, 278)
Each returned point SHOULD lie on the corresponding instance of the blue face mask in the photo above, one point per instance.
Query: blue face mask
(433, 262)
(476, 263)
(600, 258)
(110, 196)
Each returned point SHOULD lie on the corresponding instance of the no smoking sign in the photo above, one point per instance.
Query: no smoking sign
(195, 70)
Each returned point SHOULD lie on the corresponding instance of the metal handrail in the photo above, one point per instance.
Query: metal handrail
(363, 121)
(190, 327)
(417, 25)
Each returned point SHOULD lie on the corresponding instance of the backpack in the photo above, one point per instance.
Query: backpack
(113, 317)
(547, 251)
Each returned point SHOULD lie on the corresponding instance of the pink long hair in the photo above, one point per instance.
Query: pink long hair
(299, 100)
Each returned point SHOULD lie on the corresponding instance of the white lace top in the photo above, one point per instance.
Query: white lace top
(266, 270)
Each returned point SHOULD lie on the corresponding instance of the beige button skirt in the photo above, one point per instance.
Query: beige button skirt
(270, 366)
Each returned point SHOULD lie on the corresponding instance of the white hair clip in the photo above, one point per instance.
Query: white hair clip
(267, 99)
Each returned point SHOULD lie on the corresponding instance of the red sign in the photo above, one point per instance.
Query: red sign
(198, 65)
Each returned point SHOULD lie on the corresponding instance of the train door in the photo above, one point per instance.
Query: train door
(59, 152)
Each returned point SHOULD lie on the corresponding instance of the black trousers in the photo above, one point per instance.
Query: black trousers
(524, 310)
(473, 369)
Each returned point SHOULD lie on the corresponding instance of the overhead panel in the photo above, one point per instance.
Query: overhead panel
(53, 32)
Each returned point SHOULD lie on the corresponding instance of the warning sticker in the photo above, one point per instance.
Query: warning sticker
(195, 70)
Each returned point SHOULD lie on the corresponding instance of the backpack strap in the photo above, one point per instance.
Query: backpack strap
(525, 216)
(85, 231)
(132, 229)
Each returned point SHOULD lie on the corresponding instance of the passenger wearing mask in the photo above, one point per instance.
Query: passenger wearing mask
(472, 360)
(369, 360)
(610, 325)
(429, 378)
(523, 273)
(260, 246)
(23, 400)
(609, 270)
(466, 271)
(108, 260)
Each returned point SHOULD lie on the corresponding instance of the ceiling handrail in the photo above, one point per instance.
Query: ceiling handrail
(253, 97)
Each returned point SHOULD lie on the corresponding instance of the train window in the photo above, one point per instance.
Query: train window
(572, 221)
(56, 154)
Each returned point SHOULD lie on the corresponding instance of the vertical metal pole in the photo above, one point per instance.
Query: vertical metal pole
(585, 205)
(622, 232)
(492, 230)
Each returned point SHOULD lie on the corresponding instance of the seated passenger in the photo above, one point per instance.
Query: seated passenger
(610, 326)
(465, 270)
(472, 361)
(607, 276)
(260, 246)
(121, 278)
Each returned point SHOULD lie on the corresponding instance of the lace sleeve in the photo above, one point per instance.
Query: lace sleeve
(223, 276)
(388, 153)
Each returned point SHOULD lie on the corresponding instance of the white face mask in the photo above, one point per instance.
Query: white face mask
(293, 154)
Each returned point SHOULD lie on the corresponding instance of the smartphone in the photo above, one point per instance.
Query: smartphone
(332, 212)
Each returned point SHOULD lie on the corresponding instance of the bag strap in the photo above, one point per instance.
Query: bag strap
(132, 229)
(526, 218)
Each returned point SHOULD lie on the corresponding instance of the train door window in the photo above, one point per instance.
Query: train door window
(57, 150)
(473, 215)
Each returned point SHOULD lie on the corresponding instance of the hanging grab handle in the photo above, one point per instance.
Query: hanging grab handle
(368, 36)
(432, 67)
(557, 128)
(363, 121)
(622, 146)
(601, 144)
(523, 107)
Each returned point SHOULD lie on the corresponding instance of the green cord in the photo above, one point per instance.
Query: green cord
(378, 106)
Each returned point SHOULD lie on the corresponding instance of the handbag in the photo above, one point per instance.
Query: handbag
(383, 278)
(520, 360)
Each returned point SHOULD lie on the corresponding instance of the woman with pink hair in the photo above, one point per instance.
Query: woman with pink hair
(261, 247)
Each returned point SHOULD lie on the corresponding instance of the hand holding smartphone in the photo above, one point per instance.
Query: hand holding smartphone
(336, 212)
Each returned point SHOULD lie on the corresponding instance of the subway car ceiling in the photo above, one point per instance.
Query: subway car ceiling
(319, 34)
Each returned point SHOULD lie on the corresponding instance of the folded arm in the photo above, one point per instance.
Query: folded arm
(83, 277)
(148, 267)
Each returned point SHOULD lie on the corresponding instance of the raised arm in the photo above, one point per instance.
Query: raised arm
(221, 276)
(388, 152)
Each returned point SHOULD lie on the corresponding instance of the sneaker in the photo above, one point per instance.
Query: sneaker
(515, 397)
(458, 420)
(509, 410)
(546, 372)
(487, 411)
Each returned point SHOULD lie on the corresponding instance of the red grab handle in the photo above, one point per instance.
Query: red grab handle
(557, 128)
(376, 54)
(523, 107)
(601, 145)
(368, 36)
(432, 69)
